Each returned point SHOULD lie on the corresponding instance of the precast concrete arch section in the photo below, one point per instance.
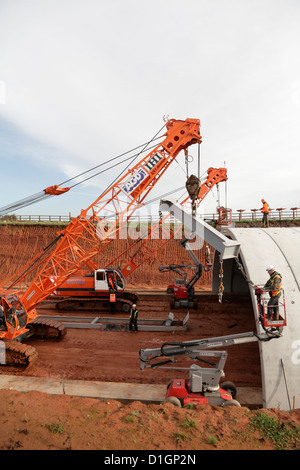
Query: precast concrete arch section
(280, 358)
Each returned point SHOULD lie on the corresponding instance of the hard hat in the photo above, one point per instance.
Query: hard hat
(262, 200)
(270, 268)
(134, 305)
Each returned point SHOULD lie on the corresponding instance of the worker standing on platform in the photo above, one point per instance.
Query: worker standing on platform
(265, 210)
(273, 285)
(133, 318)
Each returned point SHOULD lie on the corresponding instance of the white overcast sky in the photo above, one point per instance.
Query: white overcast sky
(82, 81)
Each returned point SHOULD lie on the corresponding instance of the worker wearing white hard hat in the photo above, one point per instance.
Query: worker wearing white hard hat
(270, 268)
(133, 318)
(273, 286)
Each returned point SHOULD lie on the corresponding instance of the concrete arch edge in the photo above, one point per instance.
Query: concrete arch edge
(279, 358)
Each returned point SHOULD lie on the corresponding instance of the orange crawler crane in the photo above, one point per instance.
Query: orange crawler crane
(81, 240)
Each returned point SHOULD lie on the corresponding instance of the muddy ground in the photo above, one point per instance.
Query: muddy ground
(113, 355)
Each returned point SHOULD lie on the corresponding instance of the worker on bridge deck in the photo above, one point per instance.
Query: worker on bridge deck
(265, 210)
(273, 285)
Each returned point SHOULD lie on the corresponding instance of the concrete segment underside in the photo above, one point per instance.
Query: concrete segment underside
(280, 358)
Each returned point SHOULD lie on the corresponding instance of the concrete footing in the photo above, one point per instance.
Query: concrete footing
(124, 392)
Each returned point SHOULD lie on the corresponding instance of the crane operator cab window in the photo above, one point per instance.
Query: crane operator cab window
(2, 318)
(119, 280)
(18, 310)
(6, 315)
(102, 279)
(12, 312)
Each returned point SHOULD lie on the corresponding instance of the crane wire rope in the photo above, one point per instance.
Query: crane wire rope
(108, 161)
(132, 159)
(37, 197)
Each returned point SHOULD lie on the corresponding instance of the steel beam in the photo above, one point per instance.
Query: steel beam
(121, 324)
(226, 247)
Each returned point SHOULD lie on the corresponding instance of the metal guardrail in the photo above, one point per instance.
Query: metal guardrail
(239, 215)
(256, 215)
(36, 218)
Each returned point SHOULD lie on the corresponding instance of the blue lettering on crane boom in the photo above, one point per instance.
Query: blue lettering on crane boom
(135, 180)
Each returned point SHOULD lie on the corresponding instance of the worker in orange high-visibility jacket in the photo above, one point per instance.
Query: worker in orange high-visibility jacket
(265, 210)
(112, 293)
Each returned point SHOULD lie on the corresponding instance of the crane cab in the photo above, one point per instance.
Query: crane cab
(103, 277)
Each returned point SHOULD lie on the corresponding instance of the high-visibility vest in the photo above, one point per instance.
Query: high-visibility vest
(133, 313)
(276, 291)
(112, 297)
(265, 208)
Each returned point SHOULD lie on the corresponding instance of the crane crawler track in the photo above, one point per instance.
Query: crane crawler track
(19, 354)
(50, 329)
(97, 305)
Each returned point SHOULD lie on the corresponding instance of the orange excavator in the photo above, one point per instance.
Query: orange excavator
(79, 243)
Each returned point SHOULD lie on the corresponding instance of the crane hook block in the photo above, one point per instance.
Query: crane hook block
(193, 186)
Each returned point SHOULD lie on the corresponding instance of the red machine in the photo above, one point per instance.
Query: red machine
(183, 291)
(179, 393)
(203, 385)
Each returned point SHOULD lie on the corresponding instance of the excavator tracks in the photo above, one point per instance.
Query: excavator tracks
(82, 304)
(22, 355)
(49, 329)
(19, 354)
